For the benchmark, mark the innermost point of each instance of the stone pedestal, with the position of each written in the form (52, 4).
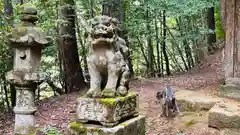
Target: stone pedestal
(231, 88)
(224, 116)
(25, 85)
(194, 101)
(108, 116)
(24, 123)
(24, 110)
(133, 126)
(107, 111)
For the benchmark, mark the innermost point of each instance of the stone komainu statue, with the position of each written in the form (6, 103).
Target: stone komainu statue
(108, 70)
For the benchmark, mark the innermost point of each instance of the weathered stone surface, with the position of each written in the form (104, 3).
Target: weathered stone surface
(24, 124)
(134, 126)
(107, 111)
(25, 78)
(27, 41)
(230, 81)
(230, 91)
(25, 101)
(224, 116)
(193, 101)
(230, 132)
(108, 68)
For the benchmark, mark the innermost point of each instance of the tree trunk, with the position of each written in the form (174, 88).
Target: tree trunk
(179, 22)
(61, 74)
(174, 59)
(212, 35)
(232, 36)
(223, 13)
(106, 5)
(114, 8)
(188, 53)
(157, 48)
(6, 93)
(92, 8)
(150, 66)
(68, 48)
(197, 44)
(161, 51)
(164, 44)
(142, 49)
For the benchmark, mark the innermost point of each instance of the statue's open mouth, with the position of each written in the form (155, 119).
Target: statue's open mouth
(103, 35)
(102, 39)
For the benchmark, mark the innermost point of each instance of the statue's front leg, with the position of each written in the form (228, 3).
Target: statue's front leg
(95, 81)
(113, 75)
(122, 89)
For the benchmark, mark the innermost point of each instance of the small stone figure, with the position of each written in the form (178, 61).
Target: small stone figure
(168, 103)
(108, 70)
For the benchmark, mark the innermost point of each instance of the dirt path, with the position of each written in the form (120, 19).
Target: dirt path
(57, 112)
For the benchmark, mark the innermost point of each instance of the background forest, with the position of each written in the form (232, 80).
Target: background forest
(165, 37)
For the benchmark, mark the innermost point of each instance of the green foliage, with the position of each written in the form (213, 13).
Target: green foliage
(218, 21)
(5, 57)
(191, 30)
(50, 131)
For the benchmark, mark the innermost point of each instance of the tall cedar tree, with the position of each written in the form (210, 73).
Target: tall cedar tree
(73, 76)
(150, 65)
(223, 12)
(164, 43)
(212, 35)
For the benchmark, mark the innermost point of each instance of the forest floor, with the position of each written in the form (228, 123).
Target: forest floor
(58, 111)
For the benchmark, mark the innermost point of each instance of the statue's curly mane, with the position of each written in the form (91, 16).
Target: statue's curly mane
(103, 33)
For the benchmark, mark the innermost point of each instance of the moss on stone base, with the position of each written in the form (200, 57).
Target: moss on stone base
(133, 126)
(92, 130)
(77, 127)
(123, 124)
(108, 101)
(112, 101)
(31, 130)
(80, 128)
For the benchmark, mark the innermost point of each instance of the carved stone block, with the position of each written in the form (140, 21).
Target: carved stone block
(194, 101)
(25, 78)
(134, 126)
(230, 81)
(107, 111)
(224, 115)
(230, 91)
(27, 59)
(24, 124)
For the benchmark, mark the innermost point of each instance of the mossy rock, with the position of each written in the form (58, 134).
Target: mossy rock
(113, 101)
(31, 130)
(77, 127)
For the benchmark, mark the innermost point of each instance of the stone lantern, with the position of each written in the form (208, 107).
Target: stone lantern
(27, 41)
